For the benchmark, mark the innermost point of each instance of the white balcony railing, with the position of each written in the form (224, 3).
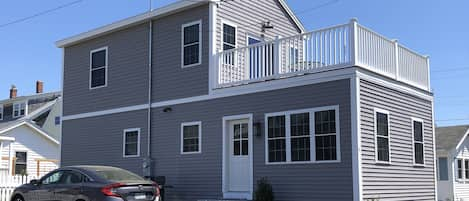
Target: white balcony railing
(322, 50)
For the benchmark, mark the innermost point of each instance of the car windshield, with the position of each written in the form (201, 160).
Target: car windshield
(116, 174)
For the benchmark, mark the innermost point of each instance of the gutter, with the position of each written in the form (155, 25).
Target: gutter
(147, 162)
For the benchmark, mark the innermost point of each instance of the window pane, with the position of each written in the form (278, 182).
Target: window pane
(98, 59)
(131, 137)
(131, 149)
(228, 47)
(300, 149)
(382, 124)
(244, 131)
(98, 77)
(277, 151)
(54, 178)
(459, 169)
(191, 34)
(326, 148)
(191, 54)
(229, 35)
(70, 177)
(244, 148)
(299, 124)
(466, 170)
(236, 148)
(443, 169)
(383, 149)
(191, 138)
(276, 126)
(418, 133)
(325, 122)
(21, 157)
(419, 158)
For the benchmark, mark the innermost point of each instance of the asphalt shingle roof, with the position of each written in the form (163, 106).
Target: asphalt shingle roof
(447, 138)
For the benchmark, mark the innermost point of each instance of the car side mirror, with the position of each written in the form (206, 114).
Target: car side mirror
(34, 182)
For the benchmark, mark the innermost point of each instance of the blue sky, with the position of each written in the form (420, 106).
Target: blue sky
(432, 27)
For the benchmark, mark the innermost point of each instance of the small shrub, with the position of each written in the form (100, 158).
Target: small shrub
(264, 191)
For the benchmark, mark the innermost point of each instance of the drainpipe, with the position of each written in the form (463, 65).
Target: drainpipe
(147, 163)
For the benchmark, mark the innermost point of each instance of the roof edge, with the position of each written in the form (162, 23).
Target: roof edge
(24, 122)
(121, 24)
(292, 16)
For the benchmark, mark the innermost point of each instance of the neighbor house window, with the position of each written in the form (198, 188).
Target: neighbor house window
(191, 44)
(19, 109)
(21, 163)
(1, 112)
(132, 142)
(466, 169)
(460, 168)
(57, 120)
(98, 68)
(417, 131)
(191, 137)
(443, 169)
(309, 135)
(382, 136)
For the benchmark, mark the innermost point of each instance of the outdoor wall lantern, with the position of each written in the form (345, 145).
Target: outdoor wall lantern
(168, 109)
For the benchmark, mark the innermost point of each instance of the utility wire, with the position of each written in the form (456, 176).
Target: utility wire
(446, 120)
(40, 13)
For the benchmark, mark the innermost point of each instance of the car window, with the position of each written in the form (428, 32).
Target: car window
(53, 178)
(114, 174)
(71, 177)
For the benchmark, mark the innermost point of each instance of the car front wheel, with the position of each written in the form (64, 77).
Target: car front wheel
(18, 198)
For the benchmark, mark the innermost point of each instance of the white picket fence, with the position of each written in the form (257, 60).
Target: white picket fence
(8, 183)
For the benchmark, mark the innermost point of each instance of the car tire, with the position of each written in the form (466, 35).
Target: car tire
(18, 198)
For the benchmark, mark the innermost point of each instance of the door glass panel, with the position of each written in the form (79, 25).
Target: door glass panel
(244, 131)
(244, 145)
(236, 148)
(236, 131)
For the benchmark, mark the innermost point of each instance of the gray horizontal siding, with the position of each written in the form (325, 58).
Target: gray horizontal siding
(400, 180)
(198, 176)
(249, 17)
(127, 72)
(171, 81)
(99, 140)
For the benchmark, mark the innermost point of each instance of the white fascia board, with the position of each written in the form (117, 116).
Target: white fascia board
(292, 15)
(119, 25)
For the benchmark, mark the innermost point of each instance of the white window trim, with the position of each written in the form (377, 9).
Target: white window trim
(311, 112)
(19, 113)
(194, 123)
(463, 178)
(413, 141)
(199, 22)
(27, 157)
(124, 140)
(232, 24)
(105, 67)
(1, 112)
(376, 110)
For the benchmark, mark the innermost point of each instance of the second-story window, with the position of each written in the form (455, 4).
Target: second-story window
(382, 136)
(19, 109)
(98, 68)
(418, 141)
(191, 44)
(229, 37)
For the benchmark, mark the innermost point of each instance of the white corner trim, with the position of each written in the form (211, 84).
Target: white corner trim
(125, 139)
(106, 69)
(356, 138)
(375, 121)
(225, 125)
(212, 46)
(435, 180)
(194, 123)
(198, 22)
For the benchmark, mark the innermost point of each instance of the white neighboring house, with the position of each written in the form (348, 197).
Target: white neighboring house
(30, 131)
(452, 145)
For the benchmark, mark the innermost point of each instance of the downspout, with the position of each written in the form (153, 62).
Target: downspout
(148, 161)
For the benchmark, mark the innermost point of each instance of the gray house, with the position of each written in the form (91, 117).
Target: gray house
(215, 95)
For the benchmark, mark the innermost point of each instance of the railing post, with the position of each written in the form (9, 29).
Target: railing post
(353, 41)
(396, 56)
(277, 55)
(428, 72)
(218, 65)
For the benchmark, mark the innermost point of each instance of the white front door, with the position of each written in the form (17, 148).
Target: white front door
(239, 160)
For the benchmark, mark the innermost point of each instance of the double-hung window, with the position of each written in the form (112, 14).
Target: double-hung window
(19, 109)
(192, 44)
(229, 37)
(1, 112)
(382, 136)
(191, 137)
(21, 163)
(132, 142)
(98, 67)
(300, 136)
(460, 168)
(417, 132)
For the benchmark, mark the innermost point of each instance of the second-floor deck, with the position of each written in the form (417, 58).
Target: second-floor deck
(341, 46)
